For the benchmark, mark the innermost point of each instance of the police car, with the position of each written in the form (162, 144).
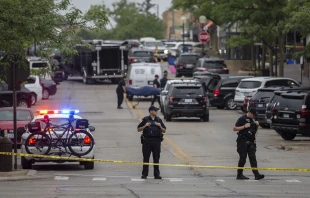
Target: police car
(56, 117)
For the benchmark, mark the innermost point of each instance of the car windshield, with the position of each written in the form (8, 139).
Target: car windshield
(289, 101)
(56, 121)
(189, 59)
(153, 44)
(249, 84)
(183, 91)
(142, 54)
(214, 65)
(21, 115)
(170, 45)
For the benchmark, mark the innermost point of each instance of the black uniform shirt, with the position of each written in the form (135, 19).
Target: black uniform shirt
(155, 82)
(163, 82)
(148, 119)
(120, 86)
(242, 121)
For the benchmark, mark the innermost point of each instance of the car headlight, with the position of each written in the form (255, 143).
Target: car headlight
(166, 51)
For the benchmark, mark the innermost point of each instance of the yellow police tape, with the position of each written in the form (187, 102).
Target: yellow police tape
(141, 163)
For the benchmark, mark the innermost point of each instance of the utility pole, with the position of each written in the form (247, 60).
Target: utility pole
(14, 110)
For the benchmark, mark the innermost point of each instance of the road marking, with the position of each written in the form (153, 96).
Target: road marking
(220, 180)
(99, 179)
(292, 181)
(176, 180)
(137, 180)
(60, 178)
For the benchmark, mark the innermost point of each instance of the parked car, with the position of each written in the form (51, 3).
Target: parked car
(23, 117)
(291, 114)
(23, 96)
(33, 84)
(250, 85)
(49, 88)
(186, 100)
(224, 92)
(185, 64)
(211, 64)
(136, 55)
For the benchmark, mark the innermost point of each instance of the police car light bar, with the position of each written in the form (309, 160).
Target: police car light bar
(44, 112)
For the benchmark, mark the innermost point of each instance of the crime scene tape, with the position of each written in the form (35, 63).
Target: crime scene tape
(141, 163)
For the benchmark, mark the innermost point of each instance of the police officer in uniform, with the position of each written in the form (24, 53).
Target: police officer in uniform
(153, 129)
(156, 85)
(246, 128)
(120, 90)
(164, 80)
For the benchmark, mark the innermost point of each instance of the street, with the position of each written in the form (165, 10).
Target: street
(188, 141)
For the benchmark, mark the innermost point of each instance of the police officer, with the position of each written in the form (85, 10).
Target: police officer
(120, 90)
(246, 128)
(153, 129)
(164, 80)
(156, 85)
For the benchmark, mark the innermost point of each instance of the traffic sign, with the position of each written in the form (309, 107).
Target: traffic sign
(204, 37)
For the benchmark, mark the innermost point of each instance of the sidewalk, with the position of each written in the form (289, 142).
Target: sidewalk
(20, 175)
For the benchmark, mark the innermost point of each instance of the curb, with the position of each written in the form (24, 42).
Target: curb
(22, 178)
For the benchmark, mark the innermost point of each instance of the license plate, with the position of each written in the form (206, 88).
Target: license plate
(246, 93)
(285, 115)
(260, 105)
(188, 100)
(189, 66)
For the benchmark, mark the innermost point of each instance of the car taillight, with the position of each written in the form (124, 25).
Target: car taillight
(32, 141)
(216, 92)
(180, 64)
(171, 99)
(86, 140)
(132, 60)
(204, 99)
(203, 69)
(304, 110)
(130, 82)
(273, 108)
(224, 69)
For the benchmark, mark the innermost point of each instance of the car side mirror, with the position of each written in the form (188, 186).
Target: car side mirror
(91, 128)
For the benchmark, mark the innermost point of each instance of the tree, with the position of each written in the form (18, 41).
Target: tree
(51, 24)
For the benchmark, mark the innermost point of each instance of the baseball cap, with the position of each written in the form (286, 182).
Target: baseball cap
(252, 110)
(152, 108)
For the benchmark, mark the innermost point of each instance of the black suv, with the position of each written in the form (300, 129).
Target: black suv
(211, 64)
(185, 64)
(136, 55)
(186, 100)
(224, 91)
(290, 114)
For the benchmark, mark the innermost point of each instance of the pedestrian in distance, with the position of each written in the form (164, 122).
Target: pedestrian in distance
(156, 85)
(152, 128)
(120, 90)
(246, 128)
(164, 80)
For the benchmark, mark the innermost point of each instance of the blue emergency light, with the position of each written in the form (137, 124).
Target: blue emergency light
(65, 111)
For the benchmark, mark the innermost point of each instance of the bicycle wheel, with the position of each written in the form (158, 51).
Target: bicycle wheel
(38, 143)
(80, 143)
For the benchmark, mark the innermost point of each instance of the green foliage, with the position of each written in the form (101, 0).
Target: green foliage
(23, 23)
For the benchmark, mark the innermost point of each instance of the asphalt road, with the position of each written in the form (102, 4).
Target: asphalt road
(188, 141)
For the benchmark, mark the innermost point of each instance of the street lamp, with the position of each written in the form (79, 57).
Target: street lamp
(183, 19)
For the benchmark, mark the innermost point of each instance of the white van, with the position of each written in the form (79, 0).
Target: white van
(37, 63)
(251, 85)
(143, 74)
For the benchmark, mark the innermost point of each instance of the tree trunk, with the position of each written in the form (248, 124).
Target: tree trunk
(264, 52)
(281, 54)
(270, 62)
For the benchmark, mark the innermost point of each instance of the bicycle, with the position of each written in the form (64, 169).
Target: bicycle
(73, 138)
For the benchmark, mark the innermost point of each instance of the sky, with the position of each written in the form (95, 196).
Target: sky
(84, 5)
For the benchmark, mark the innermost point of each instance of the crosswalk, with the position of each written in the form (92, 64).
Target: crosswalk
(128, 179)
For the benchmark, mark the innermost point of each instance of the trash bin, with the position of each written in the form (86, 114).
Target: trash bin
(6, 161)
(265, 72)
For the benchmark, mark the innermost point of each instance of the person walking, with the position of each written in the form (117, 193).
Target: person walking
(120, 90)
(164, 80)
(156, 85)
(246, 128)
(152, 136)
